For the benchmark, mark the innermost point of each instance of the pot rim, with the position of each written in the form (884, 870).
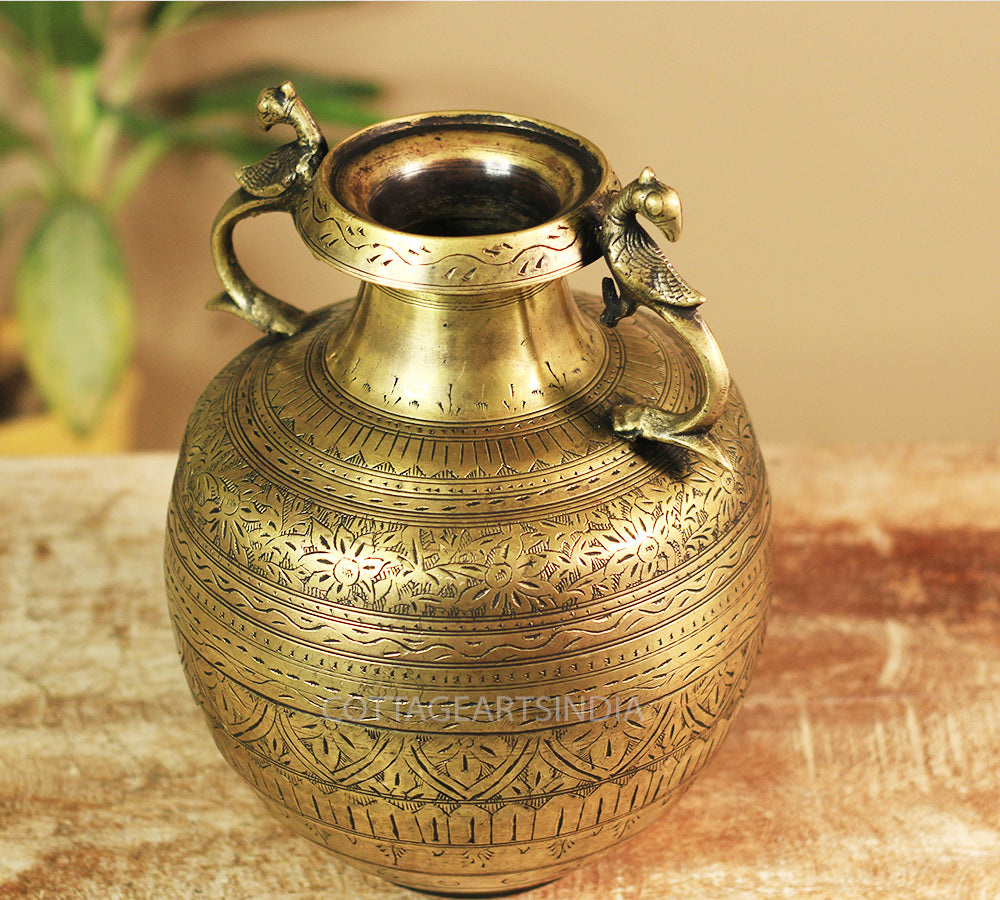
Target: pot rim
(557, 183)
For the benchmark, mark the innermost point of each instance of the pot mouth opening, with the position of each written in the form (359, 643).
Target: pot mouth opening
(463, 198)
(464, 174)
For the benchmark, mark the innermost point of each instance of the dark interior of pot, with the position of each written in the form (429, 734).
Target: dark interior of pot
(463, 175)
(463, 197)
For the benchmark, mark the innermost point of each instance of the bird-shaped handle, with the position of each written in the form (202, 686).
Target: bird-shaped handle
(275, 184)
(643, 276)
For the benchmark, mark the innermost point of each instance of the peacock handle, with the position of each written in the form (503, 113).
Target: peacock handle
(275, 184)
(642, 275)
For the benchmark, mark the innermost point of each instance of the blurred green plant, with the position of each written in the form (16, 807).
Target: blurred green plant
(87, 138)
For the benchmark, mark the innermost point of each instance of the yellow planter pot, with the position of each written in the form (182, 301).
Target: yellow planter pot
(44, 434)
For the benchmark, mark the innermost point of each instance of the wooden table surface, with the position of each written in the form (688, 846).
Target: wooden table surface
(865, 762)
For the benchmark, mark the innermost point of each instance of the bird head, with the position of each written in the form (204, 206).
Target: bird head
(274, 104)
(659, 203)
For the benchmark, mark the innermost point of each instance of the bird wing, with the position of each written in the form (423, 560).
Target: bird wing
(274, 174)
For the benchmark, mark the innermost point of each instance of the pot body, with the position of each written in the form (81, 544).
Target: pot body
(439, 615)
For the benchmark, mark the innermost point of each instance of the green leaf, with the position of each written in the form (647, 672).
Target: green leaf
(74, 307)
(204, 12)
(334, 100)
(180, 117)
(168, 12)
(57, 31)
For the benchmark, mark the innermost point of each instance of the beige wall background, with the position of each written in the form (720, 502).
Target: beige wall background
(838, 165)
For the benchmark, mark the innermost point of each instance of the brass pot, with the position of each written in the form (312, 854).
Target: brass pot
(468, 585)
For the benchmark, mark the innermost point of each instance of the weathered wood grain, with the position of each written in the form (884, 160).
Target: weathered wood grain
(865, 763)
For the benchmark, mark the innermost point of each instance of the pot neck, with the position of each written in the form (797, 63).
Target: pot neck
(483, 357)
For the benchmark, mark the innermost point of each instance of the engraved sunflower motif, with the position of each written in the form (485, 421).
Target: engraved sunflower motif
(512, 579)
(639, 547)
(569, 545)
(342, 566)
(229, 516)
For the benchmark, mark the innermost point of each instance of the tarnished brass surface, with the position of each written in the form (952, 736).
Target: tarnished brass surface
(442, 618)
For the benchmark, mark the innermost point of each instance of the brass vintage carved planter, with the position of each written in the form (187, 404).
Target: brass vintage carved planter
(468, 584)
